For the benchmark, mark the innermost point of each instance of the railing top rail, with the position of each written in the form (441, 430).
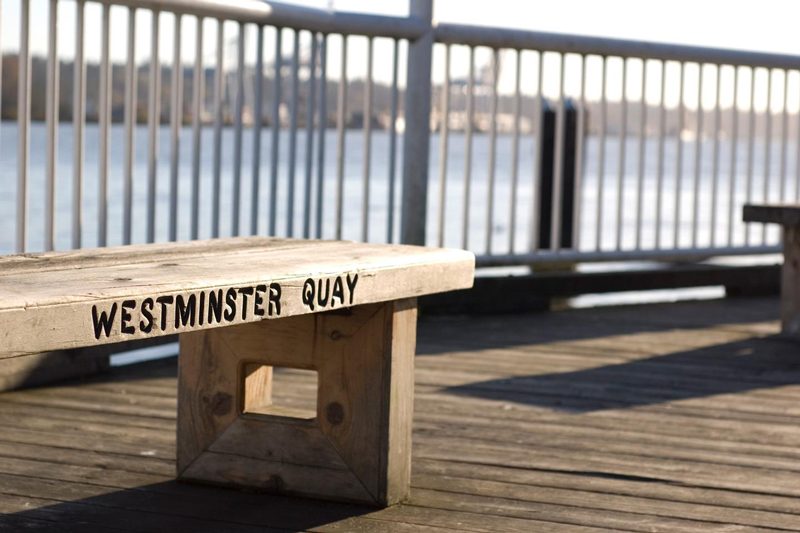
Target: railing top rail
(287, 16)
(602, 46)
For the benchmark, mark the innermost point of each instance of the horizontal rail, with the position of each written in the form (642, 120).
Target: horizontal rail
(667, 255)
(601, 46)
(287, 16)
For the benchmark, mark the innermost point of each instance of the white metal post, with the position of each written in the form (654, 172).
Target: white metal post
(417, 133)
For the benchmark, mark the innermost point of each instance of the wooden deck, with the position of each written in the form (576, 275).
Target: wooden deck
(674, 417)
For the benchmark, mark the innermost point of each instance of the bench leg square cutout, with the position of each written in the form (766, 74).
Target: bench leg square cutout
(263, 392)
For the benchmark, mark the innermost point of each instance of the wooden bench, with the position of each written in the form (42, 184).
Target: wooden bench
(241, 307)
(788, 216)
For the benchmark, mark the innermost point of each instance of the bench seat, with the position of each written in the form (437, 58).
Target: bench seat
(242, 306)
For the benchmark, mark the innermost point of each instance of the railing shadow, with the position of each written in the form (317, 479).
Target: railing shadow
(448, 334)
(734, 367)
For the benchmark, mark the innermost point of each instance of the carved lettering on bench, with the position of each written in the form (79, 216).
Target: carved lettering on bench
(329, 292)
(186, 311)
(176, 313)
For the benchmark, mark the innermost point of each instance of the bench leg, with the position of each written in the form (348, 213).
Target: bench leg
(790, 288)
(356, 448)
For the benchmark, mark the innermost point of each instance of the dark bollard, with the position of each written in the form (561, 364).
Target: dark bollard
(546, 183)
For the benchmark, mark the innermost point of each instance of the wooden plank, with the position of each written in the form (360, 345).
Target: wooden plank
(692, 440)
(576, 441)
(206, 394)
(767, 481)
(398, 400)
(467, 520)
(612, 506)
(568, 515)
(619, 485)
(142, 459)
(135, 253)
(619, 391)
(659, 420)
(116, 302)
(354, 357)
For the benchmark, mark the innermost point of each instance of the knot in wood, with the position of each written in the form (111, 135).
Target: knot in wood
(220, 404)
(334, 413)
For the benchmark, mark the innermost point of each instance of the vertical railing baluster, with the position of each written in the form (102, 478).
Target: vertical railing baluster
(154, 122)
(219, 94)
(468, 150)
(492, 151)
(197, 125)
(1, 70)
(558, 160)
(130, 124)
(621, 163)
(679, 159)
(767, 150)
(733, 156)
(258, 124)
(751, 127)
(23, 124)
(538, 138)
(662, 133)
(641, 158)
(238, 110)
(417, 134)
(797, 156)
(580, 156)
(444, 130)
(52, 127)
(393, 142)
(715, 160)
(367, 144)
(104, 118)
(323, 126)
(293, 106)
(512, 212)
(341, 110)
(276, 132)
(601, 156)
(698, 156)
(78, 101)
(176, 119)
(784, 136)
(309, 152)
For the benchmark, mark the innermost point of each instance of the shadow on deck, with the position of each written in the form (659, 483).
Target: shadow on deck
(728, 368)
(672, 417)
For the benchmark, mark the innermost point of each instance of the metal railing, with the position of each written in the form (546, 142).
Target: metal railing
(149, 197)
(636, 199)
(247, 148)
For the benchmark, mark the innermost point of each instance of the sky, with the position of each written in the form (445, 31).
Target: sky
(766, 25)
